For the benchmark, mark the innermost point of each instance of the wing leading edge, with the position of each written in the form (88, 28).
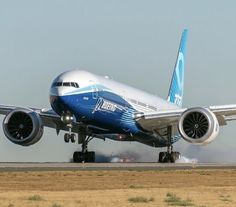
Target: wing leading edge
(49, 117)
(157, 120)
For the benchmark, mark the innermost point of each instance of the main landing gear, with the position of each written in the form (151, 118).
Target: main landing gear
(84, 155)
(170, 156)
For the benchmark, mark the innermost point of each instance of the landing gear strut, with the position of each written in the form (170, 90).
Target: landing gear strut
(170, 156)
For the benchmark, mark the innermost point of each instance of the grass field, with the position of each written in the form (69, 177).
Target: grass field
(198, 188)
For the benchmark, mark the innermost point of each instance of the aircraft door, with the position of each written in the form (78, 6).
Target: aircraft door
(125, 98)
(95, 92)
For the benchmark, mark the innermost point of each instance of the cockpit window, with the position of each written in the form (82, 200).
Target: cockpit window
(59, 84)
(67, 84)
(76, 85)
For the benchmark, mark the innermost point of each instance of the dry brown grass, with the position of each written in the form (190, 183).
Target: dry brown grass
(114, 188)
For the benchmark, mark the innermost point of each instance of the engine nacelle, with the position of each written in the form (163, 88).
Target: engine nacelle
(23, 127)
(198, 126)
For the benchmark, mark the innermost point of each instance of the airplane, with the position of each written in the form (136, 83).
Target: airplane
(88, 106)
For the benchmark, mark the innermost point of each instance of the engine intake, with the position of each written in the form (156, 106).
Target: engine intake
(23, 127)
(198, 126)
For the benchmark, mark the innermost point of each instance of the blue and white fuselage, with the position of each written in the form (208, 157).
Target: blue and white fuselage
(92, 106)
(107, 105)
(111, 108)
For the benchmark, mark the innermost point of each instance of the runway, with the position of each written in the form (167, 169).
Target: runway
(11, 167)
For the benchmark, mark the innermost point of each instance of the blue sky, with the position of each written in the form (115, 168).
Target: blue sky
(132, 41)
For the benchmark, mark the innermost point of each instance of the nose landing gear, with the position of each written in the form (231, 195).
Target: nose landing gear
(69, 137)
(68, 119)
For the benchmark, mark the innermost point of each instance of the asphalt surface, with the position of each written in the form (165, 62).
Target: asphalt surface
(12, 167)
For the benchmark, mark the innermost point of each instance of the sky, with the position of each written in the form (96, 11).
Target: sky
(132, 41)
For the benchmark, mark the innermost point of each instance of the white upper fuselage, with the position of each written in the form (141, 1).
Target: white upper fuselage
(140, 100)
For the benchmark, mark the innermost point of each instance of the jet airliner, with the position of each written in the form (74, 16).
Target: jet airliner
(88, 106)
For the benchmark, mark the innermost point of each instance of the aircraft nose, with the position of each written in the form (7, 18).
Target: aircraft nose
(58, 103)
(55, 91)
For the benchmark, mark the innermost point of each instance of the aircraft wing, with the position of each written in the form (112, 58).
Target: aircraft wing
(49, 117)
(158, 120)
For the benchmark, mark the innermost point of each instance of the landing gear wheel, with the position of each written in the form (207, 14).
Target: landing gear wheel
(174, 156)
(67, 137)
(168, 157)
(72, 138)
(90, 157)
(162, 156)
(78, 157)
(84, 157)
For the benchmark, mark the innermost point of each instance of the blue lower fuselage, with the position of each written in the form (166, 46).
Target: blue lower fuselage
(105, 110)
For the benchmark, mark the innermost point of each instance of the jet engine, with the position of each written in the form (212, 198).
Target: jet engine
(198, 126)
(23, 127)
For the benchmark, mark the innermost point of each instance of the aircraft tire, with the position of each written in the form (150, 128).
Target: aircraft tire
(160, 160)
(78, 157)
(174, 156)
(162, 157)
(72, 138)
(67, 138)
(90, 157)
